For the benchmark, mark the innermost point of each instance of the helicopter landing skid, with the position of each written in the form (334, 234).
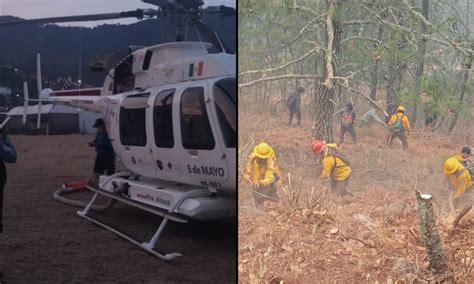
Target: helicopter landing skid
(166, 214)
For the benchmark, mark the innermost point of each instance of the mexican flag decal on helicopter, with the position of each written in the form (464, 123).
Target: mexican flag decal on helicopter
(199, 69)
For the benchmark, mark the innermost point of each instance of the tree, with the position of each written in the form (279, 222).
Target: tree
(324, 106)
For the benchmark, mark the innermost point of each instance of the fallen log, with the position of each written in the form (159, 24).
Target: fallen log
(429, 234)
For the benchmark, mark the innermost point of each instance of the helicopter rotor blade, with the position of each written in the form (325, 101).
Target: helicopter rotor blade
(223, 10)
(176, 4)
(139, 14)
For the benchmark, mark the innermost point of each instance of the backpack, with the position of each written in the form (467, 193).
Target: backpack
(337, 154)
(347, 119)
(8, 151)
(397, 127)
(469, 166)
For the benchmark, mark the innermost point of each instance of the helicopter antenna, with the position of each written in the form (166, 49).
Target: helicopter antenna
(220, 42)
(200, 40)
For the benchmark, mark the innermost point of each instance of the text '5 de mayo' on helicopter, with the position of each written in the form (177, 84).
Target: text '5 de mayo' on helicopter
(170, 111)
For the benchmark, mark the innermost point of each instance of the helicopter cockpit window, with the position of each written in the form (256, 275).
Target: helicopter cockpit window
(147, 60)
(124, 80)
(224, 98)
(196, 131)
(163, 119)
(133, 120)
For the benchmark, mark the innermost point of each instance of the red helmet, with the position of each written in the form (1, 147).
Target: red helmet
(317, 146)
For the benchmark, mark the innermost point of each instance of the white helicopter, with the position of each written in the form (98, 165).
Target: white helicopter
(170, 111)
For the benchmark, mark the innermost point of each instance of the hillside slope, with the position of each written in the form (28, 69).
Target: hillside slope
(313, 237)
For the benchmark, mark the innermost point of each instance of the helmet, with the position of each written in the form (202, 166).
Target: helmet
(451, 166)
(401, 108)
(317, 146)
(263, 151)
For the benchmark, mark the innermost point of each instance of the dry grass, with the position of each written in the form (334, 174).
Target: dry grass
(313, 237)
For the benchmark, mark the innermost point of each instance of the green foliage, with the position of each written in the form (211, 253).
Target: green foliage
(441, 94)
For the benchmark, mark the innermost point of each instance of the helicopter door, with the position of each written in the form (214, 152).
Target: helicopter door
(163, 139)
(133, 134)
(203, 153)
(224, 111)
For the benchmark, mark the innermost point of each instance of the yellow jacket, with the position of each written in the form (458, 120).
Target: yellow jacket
(333, 166)
(265, 174)
(459, 158)
(401, 116)
(461, 180)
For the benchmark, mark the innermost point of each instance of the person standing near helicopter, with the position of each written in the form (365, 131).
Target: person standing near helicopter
(7, 155)
(105, 159)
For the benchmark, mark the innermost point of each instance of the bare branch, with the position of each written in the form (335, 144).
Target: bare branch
(315, 49)
(274, 78)
(395, 26)
(357, 22)
(367, 39)
(302, 32)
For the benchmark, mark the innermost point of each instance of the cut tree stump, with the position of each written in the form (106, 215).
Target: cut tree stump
(429, 233)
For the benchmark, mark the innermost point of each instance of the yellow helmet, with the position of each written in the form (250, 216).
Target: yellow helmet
(451, 166)
(401, 108)
(263, 151)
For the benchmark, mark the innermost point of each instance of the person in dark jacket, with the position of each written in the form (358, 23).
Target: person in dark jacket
(4, 140)
(3, 179)
(347, 123)
(293, 104)
(105, 159)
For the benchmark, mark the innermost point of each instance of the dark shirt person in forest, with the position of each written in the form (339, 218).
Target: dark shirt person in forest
(293, 104)
(347, 123)
(105, 159)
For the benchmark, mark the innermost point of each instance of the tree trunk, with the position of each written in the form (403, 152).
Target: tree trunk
(324, 107)
(420, 64)
(467, 69)
(375, 68)
(429, 234)
(393, 86)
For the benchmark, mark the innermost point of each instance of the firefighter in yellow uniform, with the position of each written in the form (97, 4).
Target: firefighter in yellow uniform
(459, 178)
(336, 166)
(263, 173)
(399, 126)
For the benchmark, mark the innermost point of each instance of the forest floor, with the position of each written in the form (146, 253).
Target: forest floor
(44, 241)
(314, 237)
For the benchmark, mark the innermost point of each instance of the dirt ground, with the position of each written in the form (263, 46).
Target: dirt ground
(372, 237)
(44, 241)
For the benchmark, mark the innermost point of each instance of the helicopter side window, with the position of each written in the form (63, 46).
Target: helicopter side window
(147, 60)
(132, 120)
(163, 119)
(124, 80)
(224, 98)
(196, 131)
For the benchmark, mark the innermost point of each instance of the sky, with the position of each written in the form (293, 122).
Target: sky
(31, 9)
